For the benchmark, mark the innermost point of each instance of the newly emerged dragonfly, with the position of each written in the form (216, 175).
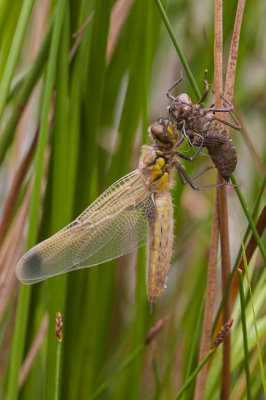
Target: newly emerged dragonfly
(135, 209)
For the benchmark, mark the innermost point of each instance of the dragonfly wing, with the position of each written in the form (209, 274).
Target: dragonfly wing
(125, 233)
(112, 225)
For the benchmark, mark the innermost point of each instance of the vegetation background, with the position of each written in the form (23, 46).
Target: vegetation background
(91, 109)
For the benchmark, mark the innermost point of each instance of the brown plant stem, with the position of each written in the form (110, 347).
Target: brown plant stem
(212, 266)
(230, 75)
(222, 200)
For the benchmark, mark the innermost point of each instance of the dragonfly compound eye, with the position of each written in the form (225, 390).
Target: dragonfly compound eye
(163, 132)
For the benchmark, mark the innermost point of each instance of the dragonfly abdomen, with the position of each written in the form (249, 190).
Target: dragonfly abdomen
(160, 245)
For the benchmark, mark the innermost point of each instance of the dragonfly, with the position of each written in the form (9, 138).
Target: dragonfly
(135, 210)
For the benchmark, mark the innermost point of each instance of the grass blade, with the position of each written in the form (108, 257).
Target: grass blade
(194, 374)
(28, 84)
(250, 219)
(244, 330)
(255, 324)
(178, 49)
(24, 297)
(14, 53)
(122, 367)
(254, 214)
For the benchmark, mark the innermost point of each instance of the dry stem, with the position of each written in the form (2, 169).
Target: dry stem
(212, 266)
(222, 198)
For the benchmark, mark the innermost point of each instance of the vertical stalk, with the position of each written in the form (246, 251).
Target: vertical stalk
(222, 200)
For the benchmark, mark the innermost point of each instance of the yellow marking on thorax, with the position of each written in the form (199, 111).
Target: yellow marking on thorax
(158, 174)
(155, 169)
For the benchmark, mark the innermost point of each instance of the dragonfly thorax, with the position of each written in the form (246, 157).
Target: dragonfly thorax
(156, 167)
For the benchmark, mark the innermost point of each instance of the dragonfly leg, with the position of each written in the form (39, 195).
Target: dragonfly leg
(195, 176)
(180, 141)
(185, 177)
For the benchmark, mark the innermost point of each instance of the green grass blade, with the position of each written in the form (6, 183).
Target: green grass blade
(254, 214)
(14, 52)
(255, 323)
(46, 104)
(195, 342)
(22, 312)
(58, 334)
(60, 212)
(132, 357)
(18, 340)
(193, 375)
(250, 219)
(178, 49)
(28, 84)
(57, 370)
(244, 330)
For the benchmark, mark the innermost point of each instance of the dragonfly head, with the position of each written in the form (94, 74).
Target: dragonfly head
(181, 107)
(164, 133)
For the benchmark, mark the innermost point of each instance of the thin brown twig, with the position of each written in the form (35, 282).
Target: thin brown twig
(155, 329)
(33, 350)
(78, 35)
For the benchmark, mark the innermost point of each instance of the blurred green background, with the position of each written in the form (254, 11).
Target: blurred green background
(103, 100)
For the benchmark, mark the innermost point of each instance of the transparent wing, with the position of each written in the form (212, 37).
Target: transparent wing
(114, 224)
